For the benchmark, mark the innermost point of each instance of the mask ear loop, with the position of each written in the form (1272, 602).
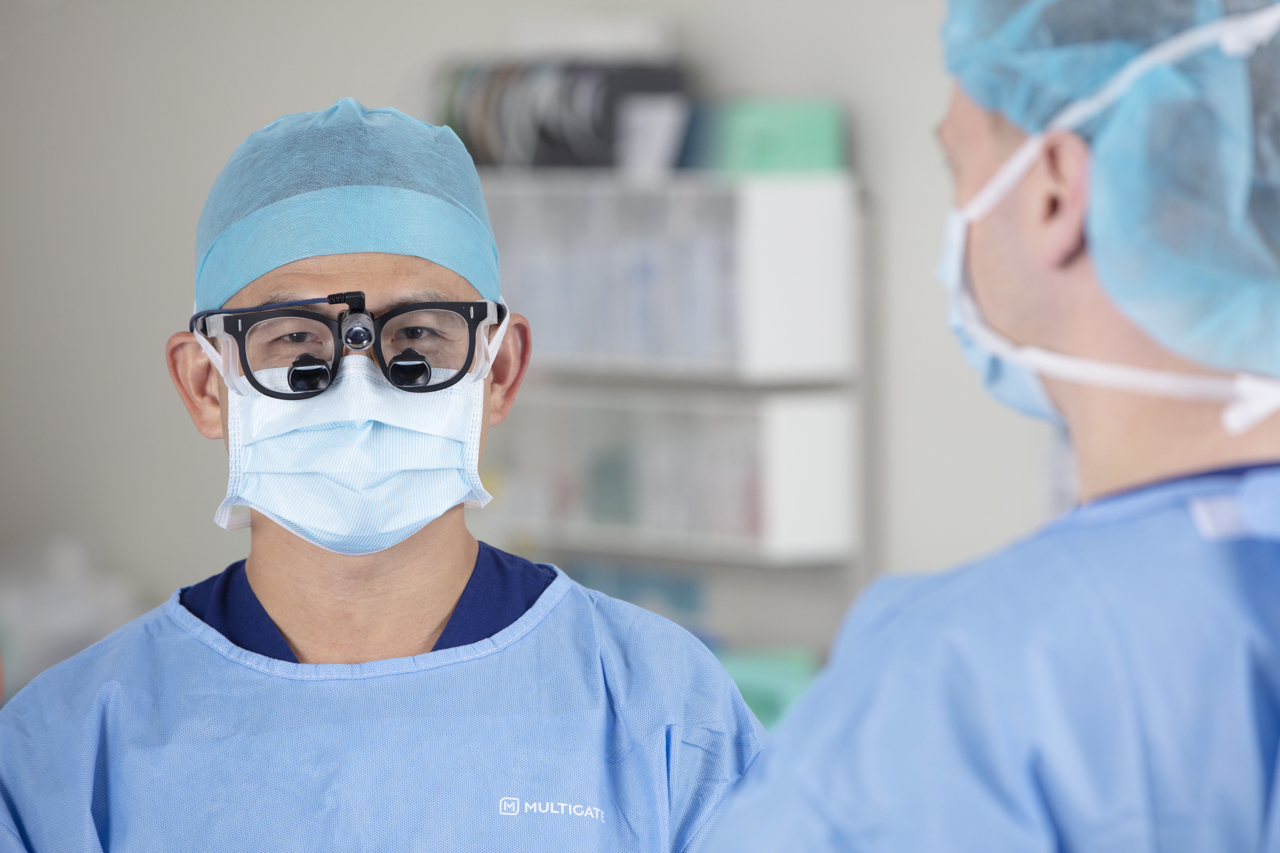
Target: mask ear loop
(488, 349)
(226, 361)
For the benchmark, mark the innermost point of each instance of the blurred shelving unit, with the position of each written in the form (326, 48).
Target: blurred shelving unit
(694, 397)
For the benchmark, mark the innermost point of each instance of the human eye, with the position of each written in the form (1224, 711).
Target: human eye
(418, 333)
(277, 341)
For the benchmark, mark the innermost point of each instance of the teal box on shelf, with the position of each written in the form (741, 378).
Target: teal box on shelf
(771, 680)
(756, 135)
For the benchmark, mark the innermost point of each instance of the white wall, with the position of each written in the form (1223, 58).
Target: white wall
(115, 118)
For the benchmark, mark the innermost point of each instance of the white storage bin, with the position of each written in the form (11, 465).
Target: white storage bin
(743, 279)
(680, 476)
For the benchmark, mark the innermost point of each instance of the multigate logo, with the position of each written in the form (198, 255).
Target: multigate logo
(511, 806)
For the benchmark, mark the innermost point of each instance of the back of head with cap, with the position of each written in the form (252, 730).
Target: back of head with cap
(346, 179)
(1184, 219)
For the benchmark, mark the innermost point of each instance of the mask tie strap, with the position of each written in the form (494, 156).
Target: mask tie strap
(1257, 398)
(1248, 399)
(490, 347)
(214, 356)
(1002, 183)
(1237, 36)
(1259, 29)
(224, 363)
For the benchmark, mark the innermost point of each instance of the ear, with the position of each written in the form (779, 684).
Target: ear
(1062, 204)
(198, 383)
(509, 366)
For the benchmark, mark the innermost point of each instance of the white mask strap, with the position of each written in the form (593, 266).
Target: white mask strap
(1004, 180)
(489, 347)
(1249, 399)
(1236, 35)
(214, 356)
(224, 361)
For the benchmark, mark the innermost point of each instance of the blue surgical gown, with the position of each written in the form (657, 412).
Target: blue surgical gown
(588, 724)
(1110, 684)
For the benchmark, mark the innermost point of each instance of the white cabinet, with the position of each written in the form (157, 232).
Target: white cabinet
(748, 280)
(676, 475)
(693, 391)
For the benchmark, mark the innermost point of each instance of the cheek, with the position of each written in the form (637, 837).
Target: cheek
(993, 273)
(222, 414)
(484, 420)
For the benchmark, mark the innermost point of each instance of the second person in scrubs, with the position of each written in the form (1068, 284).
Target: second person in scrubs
(1112, 682)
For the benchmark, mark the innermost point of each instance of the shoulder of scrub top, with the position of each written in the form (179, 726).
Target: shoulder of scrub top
(649, 659)
(1072, 582)
(76, 684)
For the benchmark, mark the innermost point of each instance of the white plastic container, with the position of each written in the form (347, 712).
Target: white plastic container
(746, 279)
(760, 479)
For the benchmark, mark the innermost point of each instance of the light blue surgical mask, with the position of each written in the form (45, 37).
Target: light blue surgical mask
(359, 468)
(1010, 372)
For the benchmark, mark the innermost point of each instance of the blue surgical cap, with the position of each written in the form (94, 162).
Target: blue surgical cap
(346, 179)
(1184, 218)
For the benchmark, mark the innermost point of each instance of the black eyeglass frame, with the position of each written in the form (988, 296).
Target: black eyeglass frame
(475, 313)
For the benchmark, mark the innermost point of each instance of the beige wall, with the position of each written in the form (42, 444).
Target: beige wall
(116, 116)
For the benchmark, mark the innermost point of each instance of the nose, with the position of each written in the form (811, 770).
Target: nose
(366, 353)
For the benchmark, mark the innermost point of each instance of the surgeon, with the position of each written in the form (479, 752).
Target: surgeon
(370, 677)
(1112, 682)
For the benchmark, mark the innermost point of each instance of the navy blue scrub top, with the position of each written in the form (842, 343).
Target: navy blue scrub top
(502, 587)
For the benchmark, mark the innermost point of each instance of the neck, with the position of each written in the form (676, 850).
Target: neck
(333, 608)
(1125, 441)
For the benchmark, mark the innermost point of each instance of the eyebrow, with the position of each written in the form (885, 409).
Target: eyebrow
(280, 296)
(426, 295)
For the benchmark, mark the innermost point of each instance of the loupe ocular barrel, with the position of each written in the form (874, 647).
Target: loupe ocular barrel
(308, 373)
(409, 370)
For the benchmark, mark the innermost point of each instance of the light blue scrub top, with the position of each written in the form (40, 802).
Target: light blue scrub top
(588, 724)
(1111, 684)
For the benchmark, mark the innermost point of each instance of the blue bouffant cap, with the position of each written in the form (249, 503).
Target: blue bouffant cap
(1184, 215)
(346, 179)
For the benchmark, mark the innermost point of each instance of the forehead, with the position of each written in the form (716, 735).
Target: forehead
(385, 279)
(968, 129)
(961, 122)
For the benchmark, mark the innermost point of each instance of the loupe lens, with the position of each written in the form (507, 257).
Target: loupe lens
(409, 370)
(290, 355)
(357, 332)
(432, 336)
(308, 373)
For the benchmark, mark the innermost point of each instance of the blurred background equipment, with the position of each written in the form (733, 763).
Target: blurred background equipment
(690, 270)
(745, 135)
(54, 607)
(561, 113)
